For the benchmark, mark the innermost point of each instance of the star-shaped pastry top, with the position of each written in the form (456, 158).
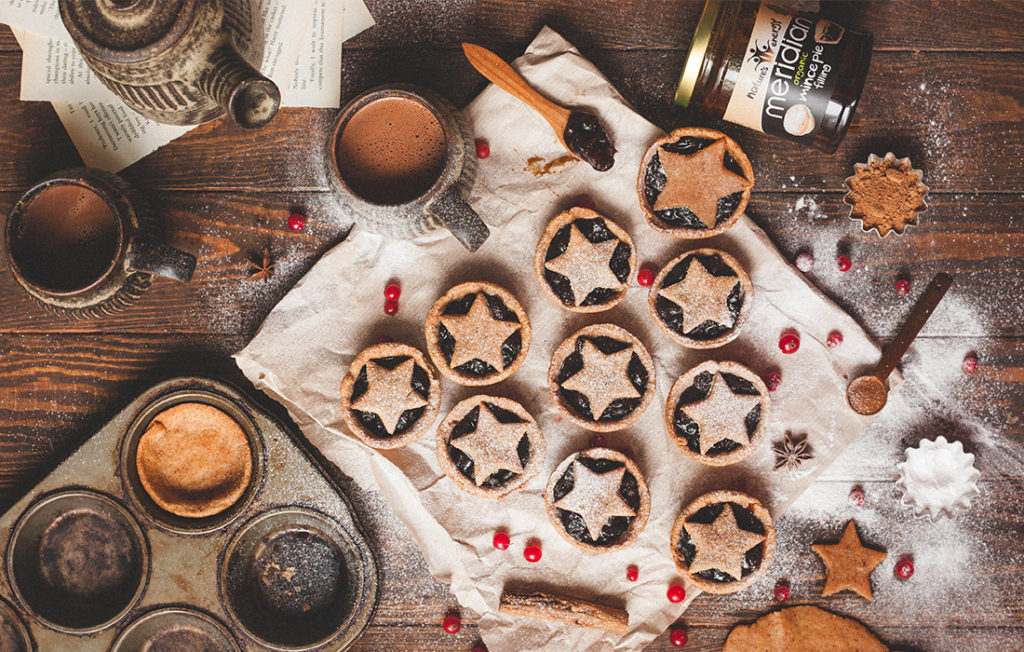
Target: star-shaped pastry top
(595, 497)
(849, 564)
(389, 393)
(697, 181)
(721, 414)
(721, 544)
(493, 446)
(585, 264)
(702, 296)
(478, 335)
(603, 378)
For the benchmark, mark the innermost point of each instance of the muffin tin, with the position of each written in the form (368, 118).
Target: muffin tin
(92, 563)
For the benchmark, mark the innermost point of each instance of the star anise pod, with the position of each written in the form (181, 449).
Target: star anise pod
(791, 452)
(263, 268)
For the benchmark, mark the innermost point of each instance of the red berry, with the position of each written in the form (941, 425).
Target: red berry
(902, 286)
(678, 637)
(789, 342)
(501, 540)
(804, 261)
(970, 364)
(844, 264)
(857, 497)
(645, 277)
(392, 292)
(772, 380)
(297, 222)
(905, 569)
(676, 593)
(479, 649)
(781, 592)
(585, 201)
(452, 624)
(598, 441)
(483, 150)
(835, 338)
(390, 307)
(632, 573)
(532, 553)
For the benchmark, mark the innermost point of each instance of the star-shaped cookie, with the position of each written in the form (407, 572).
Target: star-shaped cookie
(849, 564)
(585, 264)
(478, 334)
(604, 378)
(721, 544)
(697, 181)
(389, 393)
(595, 497)
(492, 445)
(721, 414)
(702, 296)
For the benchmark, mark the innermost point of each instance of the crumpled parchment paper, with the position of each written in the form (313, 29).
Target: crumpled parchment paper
(303, 349)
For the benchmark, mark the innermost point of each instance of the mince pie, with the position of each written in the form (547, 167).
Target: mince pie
(390, 395)
(717, 412)
(477, 333)
(598, 500)
(490, 446)
(702, 298)
(584, 261)
(601, 377)
(723, 541)
(694, 183)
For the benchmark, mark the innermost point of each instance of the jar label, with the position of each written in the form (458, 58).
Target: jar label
(788, 73)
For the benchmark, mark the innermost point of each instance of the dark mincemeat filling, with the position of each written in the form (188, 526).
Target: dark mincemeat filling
(618, 409)
(615, 526)
(745, 519)
(510, 348)
(672, 315)
(688, 429)
(596, 231)
(372, 422)
(467, 425)
(654, 183)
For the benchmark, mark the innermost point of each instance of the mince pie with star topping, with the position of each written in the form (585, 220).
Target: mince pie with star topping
(584, 261)
(702, 298)
(723, 541)
(490, 446)
(390, 395)
(598, 500)
(601, 377)
(717, 412)
(694, 183)
(477, 333)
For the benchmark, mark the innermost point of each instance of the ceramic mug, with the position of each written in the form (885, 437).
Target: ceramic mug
(402, 161)
(81, 244)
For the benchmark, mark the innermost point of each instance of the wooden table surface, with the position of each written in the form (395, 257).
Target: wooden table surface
(946, 88)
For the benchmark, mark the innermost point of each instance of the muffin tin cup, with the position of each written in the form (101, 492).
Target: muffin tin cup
(77, 560)
(14, 634)
(175, 628)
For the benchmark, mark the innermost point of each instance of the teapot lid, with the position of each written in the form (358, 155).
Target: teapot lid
(106, 27)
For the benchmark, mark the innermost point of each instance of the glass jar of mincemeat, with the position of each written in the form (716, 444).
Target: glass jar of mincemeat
(784, 72)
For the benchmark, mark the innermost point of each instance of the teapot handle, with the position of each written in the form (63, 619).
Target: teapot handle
(161, 260)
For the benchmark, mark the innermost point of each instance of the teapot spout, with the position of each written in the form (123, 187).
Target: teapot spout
(251, 99)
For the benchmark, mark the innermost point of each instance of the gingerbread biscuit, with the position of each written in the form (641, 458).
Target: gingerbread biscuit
(803, 629)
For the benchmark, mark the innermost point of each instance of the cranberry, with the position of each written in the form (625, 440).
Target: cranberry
(452, 624)
(804, 261)
(789, 342)
(905, 569)
(772, 380)
(678, 637)
(532, 553)
(843, 263)
(598, 441)
(390, 307)
(483, 150)
(479, 649)
(392, 292)
(835, 338)
(501, 540)
(902, 286)
(781, 592)
(857, 497)
(970, 364)
(297, 222)
(676, 593)
(632, 573)
(586, 201)
(645, 277)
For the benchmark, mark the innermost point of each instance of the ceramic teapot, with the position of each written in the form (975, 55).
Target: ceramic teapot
(180, 62)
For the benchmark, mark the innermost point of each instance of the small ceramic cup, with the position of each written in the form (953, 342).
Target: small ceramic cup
(411, 196)
(81, 244)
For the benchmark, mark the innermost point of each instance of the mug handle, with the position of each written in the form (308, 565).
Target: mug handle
(161, 260)
(459, 218)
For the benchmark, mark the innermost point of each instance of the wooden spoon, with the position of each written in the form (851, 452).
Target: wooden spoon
(868, 394)
(580, 132)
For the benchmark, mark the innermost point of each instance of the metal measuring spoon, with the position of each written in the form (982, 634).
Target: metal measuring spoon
(868, 394)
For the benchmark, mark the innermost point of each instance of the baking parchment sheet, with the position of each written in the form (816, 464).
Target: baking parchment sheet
(303, 349)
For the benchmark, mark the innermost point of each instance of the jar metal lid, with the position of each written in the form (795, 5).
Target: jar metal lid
(698, 48)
